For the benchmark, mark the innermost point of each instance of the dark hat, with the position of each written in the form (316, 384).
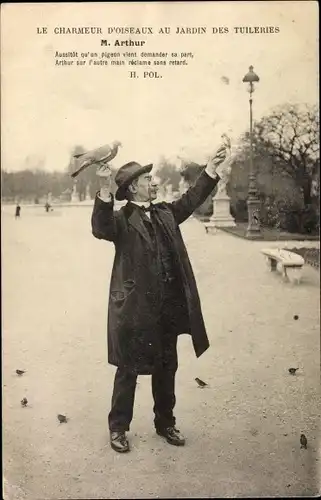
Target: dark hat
(126, 174)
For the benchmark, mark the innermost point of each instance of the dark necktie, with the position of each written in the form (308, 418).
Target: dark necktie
(150, 208)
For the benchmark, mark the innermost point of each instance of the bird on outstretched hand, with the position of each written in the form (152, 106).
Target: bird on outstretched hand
(104, 154)
(200, 383)
(293, 370)
(24, 402)
(62, 418)
(226, 142)
(303, 441)
(20, 372)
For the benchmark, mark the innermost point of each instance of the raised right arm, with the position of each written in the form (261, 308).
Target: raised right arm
(104, 221)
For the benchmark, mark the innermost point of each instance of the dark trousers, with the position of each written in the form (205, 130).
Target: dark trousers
(163, 389)
(163, 380)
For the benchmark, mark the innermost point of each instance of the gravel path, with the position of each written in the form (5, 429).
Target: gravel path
(242, 431)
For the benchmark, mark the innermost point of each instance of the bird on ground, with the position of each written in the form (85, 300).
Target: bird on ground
(295, 316)
(225, 80)
(24, 402)
(20, 372)
(303, 441)
(293, 370)
(62, 418)
(200, 382)
(104, 154)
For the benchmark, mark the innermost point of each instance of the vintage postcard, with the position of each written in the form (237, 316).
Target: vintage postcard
(160, 176)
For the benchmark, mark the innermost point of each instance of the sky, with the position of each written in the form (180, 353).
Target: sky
(47, 110)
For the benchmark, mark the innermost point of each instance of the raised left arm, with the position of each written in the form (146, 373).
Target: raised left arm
(204, 185)
(194, 196)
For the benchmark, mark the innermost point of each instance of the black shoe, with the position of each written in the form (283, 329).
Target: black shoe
(172, 436)
(119, 442)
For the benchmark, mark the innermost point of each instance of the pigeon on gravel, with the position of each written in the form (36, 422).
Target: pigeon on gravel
(20, 372)
(62, 418)
(225, 80)
(303, 441)
(293, 370)
(200, 382)
(24, 402)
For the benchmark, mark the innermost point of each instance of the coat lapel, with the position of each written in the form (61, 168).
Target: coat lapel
(135, 219)
(167, 220)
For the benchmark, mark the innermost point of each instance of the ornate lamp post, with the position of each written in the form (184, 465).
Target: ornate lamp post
(253, 203)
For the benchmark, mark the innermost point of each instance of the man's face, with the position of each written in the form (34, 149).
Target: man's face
(144, 188)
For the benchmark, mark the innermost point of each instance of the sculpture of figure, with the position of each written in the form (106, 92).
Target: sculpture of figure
(169, 192)
(74, 194)
(225, 168)
(225, 175)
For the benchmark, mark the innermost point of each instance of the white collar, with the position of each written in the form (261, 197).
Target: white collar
(145, 204)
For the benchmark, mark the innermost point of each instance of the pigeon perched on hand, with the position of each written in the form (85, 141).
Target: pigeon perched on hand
(303, 441)
(103, 154)
(24, 402)
(226, 141)
(200, 382)
(293, 370)
(62, 418)
(20, 372)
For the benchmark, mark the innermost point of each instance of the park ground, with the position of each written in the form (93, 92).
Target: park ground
(242, 431)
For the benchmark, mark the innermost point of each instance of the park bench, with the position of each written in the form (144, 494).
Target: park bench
(289, 263)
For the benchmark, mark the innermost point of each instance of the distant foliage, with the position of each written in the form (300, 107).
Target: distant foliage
(168, 173)
(287, 161)
(87, 177)
(31, 185)
(190, 171)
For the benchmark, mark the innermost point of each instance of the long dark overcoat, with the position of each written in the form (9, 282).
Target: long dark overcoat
(134, 296)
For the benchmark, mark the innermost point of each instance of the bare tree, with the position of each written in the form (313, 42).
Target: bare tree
(168, 173)
(290, 136)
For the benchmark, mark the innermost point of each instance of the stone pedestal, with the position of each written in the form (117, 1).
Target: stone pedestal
(221, 214)
(74, 195)
(87, 197)
(169, 193)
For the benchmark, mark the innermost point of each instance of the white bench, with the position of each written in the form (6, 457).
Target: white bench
(289, 263)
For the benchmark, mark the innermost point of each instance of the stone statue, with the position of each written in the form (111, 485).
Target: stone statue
(87, 192)
(74, 194)
(221, 202)
(224, 173)
(224, 169)
(169, 192)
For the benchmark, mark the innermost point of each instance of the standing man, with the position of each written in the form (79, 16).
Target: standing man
(153, 294)
(18, 210)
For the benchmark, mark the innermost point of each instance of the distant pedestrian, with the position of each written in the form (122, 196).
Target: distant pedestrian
(18, 210)
(47, 206)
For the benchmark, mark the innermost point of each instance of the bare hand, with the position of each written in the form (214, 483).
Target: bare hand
(217, 159)
(104, 171)
(104, 174)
